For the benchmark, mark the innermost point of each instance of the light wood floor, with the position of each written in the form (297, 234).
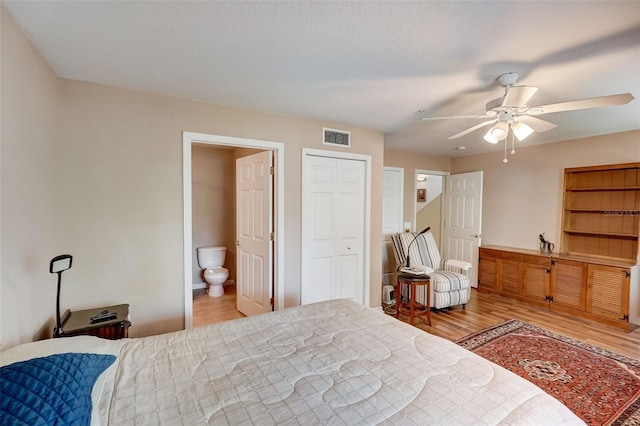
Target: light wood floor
(210, 310)
(483, 310)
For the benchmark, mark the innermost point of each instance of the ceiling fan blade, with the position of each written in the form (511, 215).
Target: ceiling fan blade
(518, 96)
(537, 124)
(455, 116)
(602, 101)
(473, 129)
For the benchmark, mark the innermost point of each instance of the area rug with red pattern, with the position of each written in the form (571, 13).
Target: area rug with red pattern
(599, 386)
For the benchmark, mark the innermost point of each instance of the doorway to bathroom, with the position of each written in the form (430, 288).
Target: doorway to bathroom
(209, 163)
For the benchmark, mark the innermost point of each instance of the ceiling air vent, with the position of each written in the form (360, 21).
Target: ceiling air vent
(336, 137)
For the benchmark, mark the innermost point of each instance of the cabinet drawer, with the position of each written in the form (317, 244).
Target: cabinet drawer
(485, 252)
(516, 257)
(537, 260)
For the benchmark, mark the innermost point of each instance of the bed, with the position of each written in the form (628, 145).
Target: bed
(329, 363)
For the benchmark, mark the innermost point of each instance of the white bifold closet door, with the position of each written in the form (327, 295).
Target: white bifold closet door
(333, 222)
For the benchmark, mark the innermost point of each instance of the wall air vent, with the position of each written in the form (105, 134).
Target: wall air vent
(336, 138)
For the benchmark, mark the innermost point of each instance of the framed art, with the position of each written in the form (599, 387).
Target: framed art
(422, 195)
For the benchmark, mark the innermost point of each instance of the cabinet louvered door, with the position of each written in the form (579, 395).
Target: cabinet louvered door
(510, 278)
(608, 292)
(569, 282)
(535, 281)
(487, 271)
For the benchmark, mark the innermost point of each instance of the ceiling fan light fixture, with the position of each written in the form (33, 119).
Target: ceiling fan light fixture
(489, 138)
(500, 130)
(521, 130)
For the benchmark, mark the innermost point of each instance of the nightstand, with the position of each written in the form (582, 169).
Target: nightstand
(78, 323)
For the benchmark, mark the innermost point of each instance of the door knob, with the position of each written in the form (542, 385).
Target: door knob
(237, 243)
(475, 235)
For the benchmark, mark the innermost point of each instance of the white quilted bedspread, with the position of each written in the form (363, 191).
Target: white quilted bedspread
(330, 363)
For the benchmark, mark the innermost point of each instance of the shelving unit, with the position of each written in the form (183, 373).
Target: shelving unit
(595, 275)
(602, 211)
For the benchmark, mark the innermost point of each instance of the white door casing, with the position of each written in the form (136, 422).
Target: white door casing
(463, 219)
(254, 272)
(335, 226)
(190, 138)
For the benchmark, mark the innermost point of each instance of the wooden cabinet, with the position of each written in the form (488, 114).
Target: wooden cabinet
(601, 215)
(521, 274)
(596, 275)
(593, 288)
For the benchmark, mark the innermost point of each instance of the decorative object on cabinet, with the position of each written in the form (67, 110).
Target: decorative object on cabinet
(58, 265)
(594, 288)
(546, 247)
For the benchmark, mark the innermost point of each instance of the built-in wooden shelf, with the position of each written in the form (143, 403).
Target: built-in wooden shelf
(601, 215)
(602, 234)
(614, 212)
(605, 188)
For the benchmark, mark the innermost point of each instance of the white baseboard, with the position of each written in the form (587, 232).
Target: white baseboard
(198, 286)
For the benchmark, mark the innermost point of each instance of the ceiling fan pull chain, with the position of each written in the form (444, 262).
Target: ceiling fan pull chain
(513, 143)
(505, 159)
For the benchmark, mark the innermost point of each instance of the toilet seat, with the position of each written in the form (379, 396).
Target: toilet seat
(218, 270)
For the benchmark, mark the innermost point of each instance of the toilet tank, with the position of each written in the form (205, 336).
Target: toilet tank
(211, 256)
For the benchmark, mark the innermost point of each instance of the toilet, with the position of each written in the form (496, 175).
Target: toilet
(211, 259)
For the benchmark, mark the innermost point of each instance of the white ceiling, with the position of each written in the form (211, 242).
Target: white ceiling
(369, 64)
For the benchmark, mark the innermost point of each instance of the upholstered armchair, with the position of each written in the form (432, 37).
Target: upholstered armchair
(450, 284)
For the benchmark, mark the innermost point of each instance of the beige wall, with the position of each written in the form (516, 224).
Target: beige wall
(105, 184)
(431, 215)
(523, 198)
(31, 229)
(126, 147)
(213, 204)
(96, 171)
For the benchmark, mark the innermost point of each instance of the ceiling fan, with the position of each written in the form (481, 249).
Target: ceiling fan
(512, 111)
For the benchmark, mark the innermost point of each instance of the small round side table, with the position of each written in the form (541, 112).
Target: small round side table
(413, 308)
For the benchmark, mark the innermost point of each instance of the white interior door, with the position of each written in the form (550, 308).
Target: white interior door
(392, 200)
(392, 211)
(254, 247)
(333, 223)
(463, 219)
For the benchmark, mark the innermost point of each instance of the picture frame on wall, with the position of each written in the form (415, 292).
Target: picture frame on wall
(422, 195)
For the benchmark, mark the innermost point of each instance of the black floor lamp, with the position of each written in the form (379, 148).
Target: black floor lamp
(58, 265)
